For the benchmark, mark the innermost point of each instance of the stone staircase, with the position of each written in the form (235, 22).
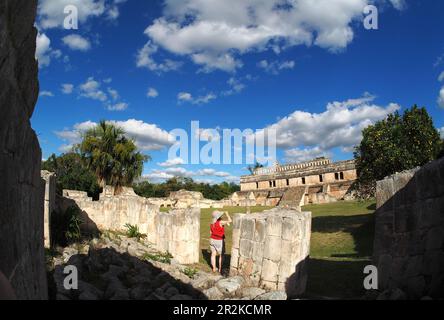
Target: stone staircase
(293, 197)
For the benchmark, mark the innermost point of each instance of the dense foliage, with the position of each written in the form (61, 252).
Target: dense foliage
(214, 192)
(112, 157)
(395, 144)
(72, 174)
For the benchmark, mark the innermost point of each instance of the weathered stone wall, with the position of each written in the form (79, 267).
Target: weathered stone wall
(271, 249)
(49, 204)
(22, 257)
(176, 232)
(409, 238)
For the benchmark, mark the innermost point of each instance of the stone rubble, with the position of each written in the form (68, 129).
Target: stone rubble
(115, 267)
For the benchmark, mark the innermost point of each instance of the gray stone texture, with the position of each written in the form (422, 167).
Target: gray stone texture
(409, 232)
(21, 191)
(271, 249)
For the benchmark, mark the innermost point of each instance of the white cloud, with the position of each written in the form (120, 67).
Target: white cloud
(441, 77)
(76, 42)
(121, 106)
(168, 173)
(276, 67)
(441, 98)
(152, 93)
(188, 97)
(67, 88)
(398, 4)
(235, 87)
(172, 162)
(46, 94)
(44, 52)
(144, 60)
(214, 33)
(148, 136)
(300, 155)
(441, 132)
(113, 93)
(51, 12)
(91, 89)
(184, 96)
(339, 126)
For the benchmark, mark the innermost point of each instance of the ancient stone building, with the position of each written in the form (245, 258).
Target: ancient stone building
(316, 181)
(22, 258)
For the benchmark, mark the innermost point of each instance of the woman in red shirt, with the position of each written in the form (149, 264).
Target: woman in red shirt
(217, 229)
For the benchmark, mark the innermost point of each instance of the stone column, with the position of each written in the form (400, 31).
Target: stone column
(49, 204)
(178, 232)
(271, 249)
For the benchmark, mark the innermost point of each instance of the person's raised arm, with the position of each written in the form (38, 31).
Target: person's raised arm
(227, 222)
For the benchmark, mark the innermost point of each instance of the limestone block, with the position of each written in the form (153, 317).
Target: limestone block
(272, 249)
(270, 271)
(246, 248)
(247, 231)
(274, 226)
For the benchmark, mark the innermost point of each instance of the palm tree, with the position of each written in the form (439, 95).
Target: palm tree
(256, 166)
(111, 155)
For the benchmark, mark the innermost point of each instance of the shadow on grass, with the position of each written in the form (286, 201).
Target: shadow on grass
(340, 276)
(329, 279)
(361, 227)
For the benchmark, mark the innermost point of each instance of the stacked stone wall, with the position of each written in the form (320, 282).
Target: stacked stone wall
(409, 235)
(271, 249)
(176, 232)
(22, 258)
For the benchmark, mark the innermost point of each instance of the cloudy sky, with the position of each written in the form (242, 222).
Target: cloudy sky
(308, 69)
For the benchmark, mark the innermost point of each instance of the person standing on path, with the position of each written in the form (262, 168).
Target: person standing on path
(217, 238)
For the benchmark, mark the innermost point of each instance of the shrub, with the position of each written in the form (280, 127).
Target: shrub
(65, 226)
(190, 272)
(133, 232)
(159, 257)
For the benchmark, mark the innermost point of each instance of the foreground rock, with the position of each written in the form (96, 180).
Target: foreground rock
(22, 257)
(115, 267)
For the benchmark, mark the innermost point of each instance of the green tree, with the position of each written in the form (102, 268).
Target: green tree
(112, 157)
(72, 174)
(395, 144)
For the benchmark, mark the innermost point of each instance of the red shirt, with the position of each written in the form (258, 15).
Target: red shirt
(217, 231)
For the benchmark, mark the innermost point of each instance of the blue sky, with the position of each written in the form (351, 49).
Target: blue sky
(308, 69)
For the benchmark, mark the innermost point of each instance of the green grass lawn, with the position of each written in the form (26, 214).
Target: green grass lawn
(341, 246)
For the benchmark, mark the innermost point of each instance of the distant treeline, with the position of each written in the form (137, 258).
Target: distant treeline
(209, 191)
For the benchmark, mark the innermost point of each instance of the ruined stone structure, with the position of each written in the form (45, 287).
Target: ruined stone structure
(49, 204)
(22, 257)
(409, 235)
(271, 249)
(186, 199)
(316, 181)
(176, 231)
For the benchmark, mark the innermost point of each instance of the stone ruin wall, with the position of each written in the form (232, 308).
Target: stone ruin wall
(22, 258)
(271, 249)
(176, 231)
(409, 235)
